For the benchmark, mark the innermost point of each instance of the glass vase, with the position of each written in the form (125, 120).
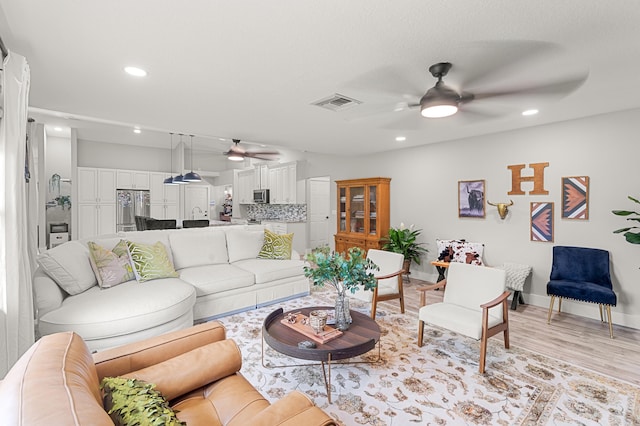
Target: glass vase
(343, 317)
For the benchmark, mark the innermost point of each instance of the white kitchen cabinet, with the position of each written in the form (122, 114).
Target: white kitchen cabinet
(282, 183)
(163, 198)
(96, 185)
(299, 230)
(246, 185)
(132, 179)
(262, 176)
(96, 219)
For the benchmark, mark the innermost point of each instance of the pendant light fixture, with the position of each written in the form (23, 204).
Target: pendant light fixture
(169, 180)
(180, 178)
(192, 176)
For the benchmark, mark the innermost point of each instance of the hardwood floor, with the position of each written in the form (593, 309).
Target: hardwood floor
(570, 338)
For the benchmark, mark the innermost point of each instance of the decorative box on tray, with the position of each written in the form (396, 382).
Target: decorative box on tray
(300, 323)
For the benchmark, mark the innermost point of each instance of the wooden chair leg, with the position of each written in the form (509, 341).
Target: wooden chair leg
(483, 353)
(600, 309)
(610, 323)
(559, 304)
(553, 299)
(374, 305)
(420, 332)
(401, 294)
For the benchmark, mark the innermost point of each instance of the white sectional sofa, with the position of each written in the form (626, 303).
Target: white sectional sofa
(219, 273)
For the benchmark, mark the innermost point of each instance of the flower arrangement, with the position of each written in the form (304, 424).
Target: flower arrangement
(403, 240)
(344, 272)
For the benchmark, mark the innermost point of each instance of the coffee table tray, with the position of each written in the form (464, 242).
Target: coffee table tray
(327, 335)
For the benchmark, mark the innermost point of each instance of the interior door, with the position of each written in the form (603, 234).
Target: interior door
(196, 202)
(318, 205)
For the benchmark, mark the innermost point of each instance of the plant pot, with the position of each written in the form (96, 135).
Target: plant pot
(406, 266)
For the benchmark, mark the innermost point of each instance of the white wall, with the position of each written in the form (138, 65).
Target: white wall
(118, 156)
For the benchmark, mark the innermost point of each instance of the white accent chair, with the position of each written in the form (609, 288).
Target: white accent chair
(389, 279)
(474, 304)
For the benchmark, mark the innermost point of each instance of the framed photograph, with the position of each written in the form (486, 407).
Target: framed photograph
(542, 222)
(471, 198)
(575, 197)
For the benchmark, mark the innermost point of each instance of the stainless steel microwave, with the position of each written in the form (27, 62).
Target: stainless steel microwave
(261, 196)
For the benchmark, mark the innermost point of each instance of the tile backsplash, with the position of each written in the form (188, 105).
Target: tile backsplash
(284, 212)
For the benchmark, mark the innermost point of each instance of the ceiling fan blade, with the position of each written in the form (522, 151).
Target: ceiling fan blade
(389, 82)
(376, 110)
(270, 156)
(557, 89)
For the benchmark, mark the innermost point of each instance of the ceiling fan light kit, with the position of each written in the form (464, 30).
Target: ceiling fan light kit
(439, 101)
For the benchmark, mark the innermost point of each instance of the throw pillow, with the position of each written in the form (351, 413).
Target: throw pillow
(276, 246)
(134, 402)
(69, 266)
(111, 267)
(150, 261)
(460, 251)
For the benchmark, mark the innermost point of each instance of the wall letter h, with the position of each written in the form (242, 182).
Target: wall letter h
(537, 179)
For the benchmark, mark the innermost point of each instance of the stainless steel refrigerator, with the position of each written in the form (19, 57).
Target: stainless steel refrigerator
(131, 203)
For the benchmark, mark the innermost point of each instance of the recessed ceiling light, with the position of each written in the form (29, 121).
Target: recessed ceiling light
(401, 138)
(137, 130)
(530, 112)
(138, 72)
(57, 129)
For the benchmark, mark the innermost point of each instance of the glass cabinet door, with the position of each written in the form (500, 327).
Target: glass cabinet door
(373, 211)
(342, 209)
(357, 213)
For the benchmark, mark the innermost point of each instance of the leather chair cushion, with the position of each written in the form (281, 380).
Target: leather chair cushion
(53, 383)
(192, 370)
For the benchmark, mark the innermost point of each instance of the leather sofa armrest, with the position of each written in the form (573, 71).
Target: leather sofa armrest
(138, 355)
(293, 410)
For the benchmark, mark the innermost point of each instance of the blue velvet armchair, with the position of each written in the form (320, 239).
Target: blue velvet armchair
(582, 274)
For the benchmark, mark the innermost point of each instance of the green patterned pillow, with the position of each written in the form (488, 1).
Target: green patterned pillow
(276, 246)
(111, 267)
(150, 262)
(134, 402)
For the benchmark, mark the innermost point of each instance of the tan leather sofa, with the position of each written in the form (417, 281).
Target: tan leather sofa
(56, 382)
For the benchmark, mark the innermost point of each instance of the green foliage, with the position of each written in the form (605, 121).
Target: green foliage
(344, 272)
(632, 237)
(403, 240)
(134, 402)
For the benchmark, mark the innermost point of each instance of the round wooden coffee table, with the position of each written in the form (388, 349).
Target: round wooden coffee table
(361, 337)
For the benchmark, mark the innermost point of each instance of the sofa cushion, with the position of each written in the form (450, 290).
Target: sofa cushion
(150, 261)
(266, 270)
(111, 267)
(148, 237)
(276, 246)
(53, 383)
(68, 265)
(244, 243)
(195, 247)
(216, 278)
(135, 402)
(127, 308)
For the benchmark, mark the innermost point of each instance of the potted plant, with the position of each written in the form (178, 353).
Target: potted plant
(403, 240)
(343, 272)
(632, 237)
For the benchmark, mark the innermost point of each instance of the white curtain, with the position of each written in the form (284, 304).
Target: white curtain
(16, 246)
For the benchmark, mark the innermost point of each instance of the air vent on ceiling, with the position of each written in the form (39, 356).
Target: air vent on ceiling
(337, 102)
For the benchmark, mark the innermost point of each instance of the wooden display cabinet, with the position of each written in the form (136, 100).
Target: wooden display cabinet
(363, 213)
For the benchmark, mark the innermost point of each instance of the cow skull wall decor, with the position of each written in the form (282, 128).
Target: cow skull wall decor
(503, 208)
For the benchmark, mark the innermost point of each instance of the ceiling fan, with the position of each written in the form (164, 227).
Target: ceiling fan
(238, 153)
(443, 101)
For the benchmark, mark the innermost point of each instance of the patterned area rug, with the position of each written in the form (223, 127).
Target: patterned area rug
(438, 383)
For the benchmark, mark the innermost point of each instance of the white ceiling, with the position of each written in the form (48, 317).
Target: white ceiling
(251, 69)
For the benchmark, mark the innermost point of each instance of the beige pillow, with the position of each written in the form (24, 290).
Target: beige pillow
(150, 262)
(69, 266)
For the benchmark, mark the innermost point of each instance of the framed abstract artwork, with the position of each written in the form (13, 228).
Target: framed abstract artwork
(575, 197)
(471, 198)
(542, 222)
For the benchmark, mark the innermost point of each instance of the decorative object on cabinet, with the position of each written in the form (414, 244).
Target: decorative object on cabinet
(471, 198)
(542, 222)
(575, 197)
(363, 213)
(169, 180)
(343, 272)
(503, 208)
(632, 237)
(403, 240)
(192, 176)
